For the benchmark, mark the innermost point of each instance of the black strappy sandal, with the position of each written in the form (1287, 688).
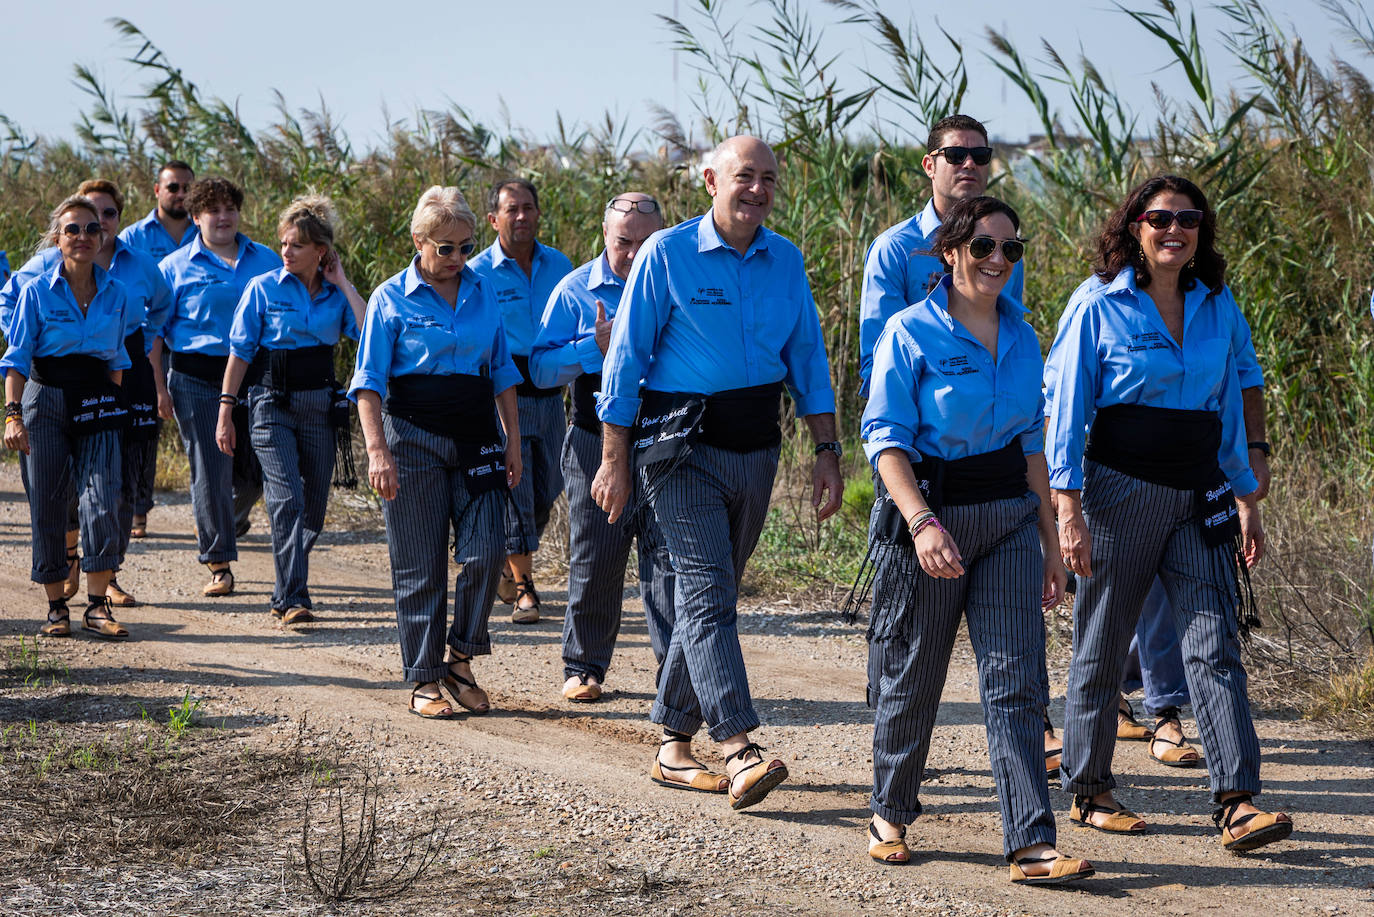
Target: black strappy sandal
(1173, 757)
(457, 684)
(59, 620)
(1267, 830)
(759, 779)
(525, 614)
(105, 626)
(703, 782)
(72, 585)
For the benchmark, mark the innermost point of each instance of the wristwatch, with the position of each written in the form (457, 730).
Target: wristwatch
(1262, 446)
(830, 447)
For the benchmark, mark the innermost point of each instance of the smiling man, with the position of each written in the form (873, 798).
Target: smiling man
(523, 272)
(717, 317)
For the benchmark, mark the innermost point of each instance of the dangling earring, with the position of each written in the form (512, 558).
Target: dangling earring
(1192, 262)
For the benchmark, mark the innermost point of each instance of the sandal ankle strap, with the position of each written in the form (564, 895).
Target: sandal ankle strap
(751, 747)
(669, 737)
(1225, 811)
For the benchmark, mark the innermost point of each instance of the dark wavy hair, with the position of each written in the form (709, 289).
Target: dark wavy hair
(1117, 246)
(960, 224)
(207, 192)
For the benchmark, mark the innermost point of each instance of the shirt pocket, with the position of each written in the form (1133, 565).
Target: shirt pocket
(1206, 365)
(1019, 383)
(772, 324)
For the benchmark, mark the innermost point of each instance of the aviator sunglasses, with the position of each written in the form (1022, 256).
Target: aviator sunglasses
(443, 250)
(1161, 219)
(981, 247)
(76, 229)
(955, 155)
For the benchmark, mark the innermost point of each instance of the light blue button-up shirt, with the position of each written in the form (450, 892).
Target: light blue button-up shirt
(410, 328)
(277, 312)
(697, 316)
(206, 291)
(149, 236)
(147, 303)
(897, 274)
(1114, 348)
(522, 298)
(565, 346)
(937, 391)
(48, 322)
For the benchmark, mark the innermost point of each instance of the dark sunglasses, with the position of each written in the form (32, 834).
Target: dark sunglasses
(175, 186)
(955, 155)
(649, 206)
(1162, 219)
(109, 213)
(76, 229)
(981, 247)
(443, 250)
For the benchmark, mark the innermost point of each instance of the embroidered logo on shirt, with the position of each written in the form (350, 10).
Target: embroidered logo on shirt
(281, 306)
(1146, 340)
(508, 295)
(424, 323)
(709, 296)
(955, 366)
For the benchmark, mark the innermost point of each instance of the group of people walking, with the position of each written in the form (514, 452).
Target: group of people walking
(1132, 459)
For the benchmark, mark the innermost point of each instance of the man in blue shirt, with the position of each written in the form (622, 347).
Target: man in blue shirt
(719, 307)
(523, 273)
(572, 340)
(169, 226)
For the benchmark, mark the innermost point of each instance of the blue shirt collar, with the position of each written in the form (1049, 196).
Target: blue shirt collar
(708, 237)
(413, 281)
(197, 248)
(1006, 305)
(1124, 282)
(499, 256)
(55, 276)
(283, 274)
(601, 275)
(928, 220)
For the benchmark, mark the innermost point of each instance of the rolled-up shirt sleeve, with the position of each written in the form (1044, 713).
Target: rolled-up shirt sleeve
(559, 356)
(22, 332)
(504, 372)
(376, 344)
(1234, 454)
(892, 416)
(245, 332)
(1243, 346)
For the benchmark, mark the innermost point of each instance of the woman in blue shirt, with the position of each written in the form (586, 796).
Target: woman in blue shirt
(65, 412)
(286, 324)
(207, 278)
(432, 360)
(953, 426)
(1146, 359)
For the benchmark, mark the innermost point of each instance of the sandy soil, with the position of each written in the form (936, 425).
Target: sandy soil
(574, 780)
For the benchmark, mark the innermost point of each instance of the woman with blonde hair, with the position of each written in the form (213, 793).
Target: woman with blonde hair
(64, 411)
(432, 361)
(286, 325)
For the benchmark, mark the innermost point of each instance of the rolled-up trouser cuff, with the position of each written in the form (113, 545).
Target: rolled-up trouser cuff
(674, 721)
(424, 674)
(470, 649)
(1085, 788)
(100, 564)
(571, 669)
(743, 721)
(896, 816)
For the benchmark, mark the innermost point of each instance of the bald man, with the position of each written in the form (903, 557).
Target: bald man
(569, 348)
(716, 318)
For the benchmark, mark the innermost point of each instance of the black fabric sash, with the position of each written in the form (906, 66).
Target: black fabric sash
(141, 390)
(526, 386)
(584, 389)
(201, 366)
(94, 403)
(462, 408)
(297, 369)
(996, 475)
(1172, 448)
(738, 420)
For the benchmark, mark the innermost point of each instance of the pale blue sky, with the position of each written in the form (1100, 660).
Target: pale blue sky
(541, 57)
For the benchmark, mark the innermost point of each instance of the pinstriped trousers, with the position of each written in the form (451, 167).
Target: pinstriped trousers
(999, 593)
(432, 502)
(710, 512)
(880, 587)
(219, 500)
(59, 464)
(295, 445)
(1138, 530)
(596, 566)
(543, 424)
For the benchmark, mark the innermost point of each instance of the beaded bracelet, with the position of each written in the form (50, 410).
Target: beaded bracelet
(931, 520)
(14, 409)
(918, 518)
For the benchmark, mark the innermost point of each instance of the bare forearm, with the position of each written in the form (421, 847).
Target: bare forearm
(14, 386)
(894, 467)
(234, 371)
(1252, 403)
(822, 427)
(615, 443)
(507, 410)
(155, 358)
(370, 419)
(1038, 477)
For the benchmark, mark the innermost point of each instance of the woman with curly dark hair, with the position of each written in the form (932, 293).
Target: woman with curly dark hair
(954, 426)
(1146, 356)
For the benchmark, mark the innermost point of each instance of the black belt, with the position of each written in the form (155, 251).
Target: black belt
(297, 369)
(996, 475)
(208, 368)
(584, 402)
(77, 370)
(1164, 446)
(526, 386)
(738, 420)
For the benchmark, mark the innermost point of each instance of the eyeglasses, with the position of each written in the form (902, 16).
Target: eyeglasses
(981, 247)
(109, 213)
(444, 249)
(1163, 219)
(616, 204)
(955, 155)
(76, 229)
(175, 186)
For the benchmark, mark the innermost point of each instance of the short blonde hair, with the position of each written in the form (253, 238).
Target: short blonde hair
(313, 216)
(441, 206)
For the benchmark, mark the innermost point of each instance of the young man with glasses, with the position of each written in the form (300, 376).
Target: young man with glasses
(169, 226)
(899, 271)
(569, 348)
(717, 315)
(523, 272)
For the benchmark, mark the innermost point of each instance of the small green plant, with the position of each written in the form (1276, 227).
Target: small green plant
(544, 852)
(25, 664)
(182, 716)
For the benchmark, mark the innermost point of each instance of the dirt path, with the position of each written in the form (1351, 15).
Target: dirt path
(801, 851)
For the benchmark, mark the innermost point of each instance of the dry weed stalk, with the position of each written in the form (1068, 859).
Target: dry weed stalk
(360, 869)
